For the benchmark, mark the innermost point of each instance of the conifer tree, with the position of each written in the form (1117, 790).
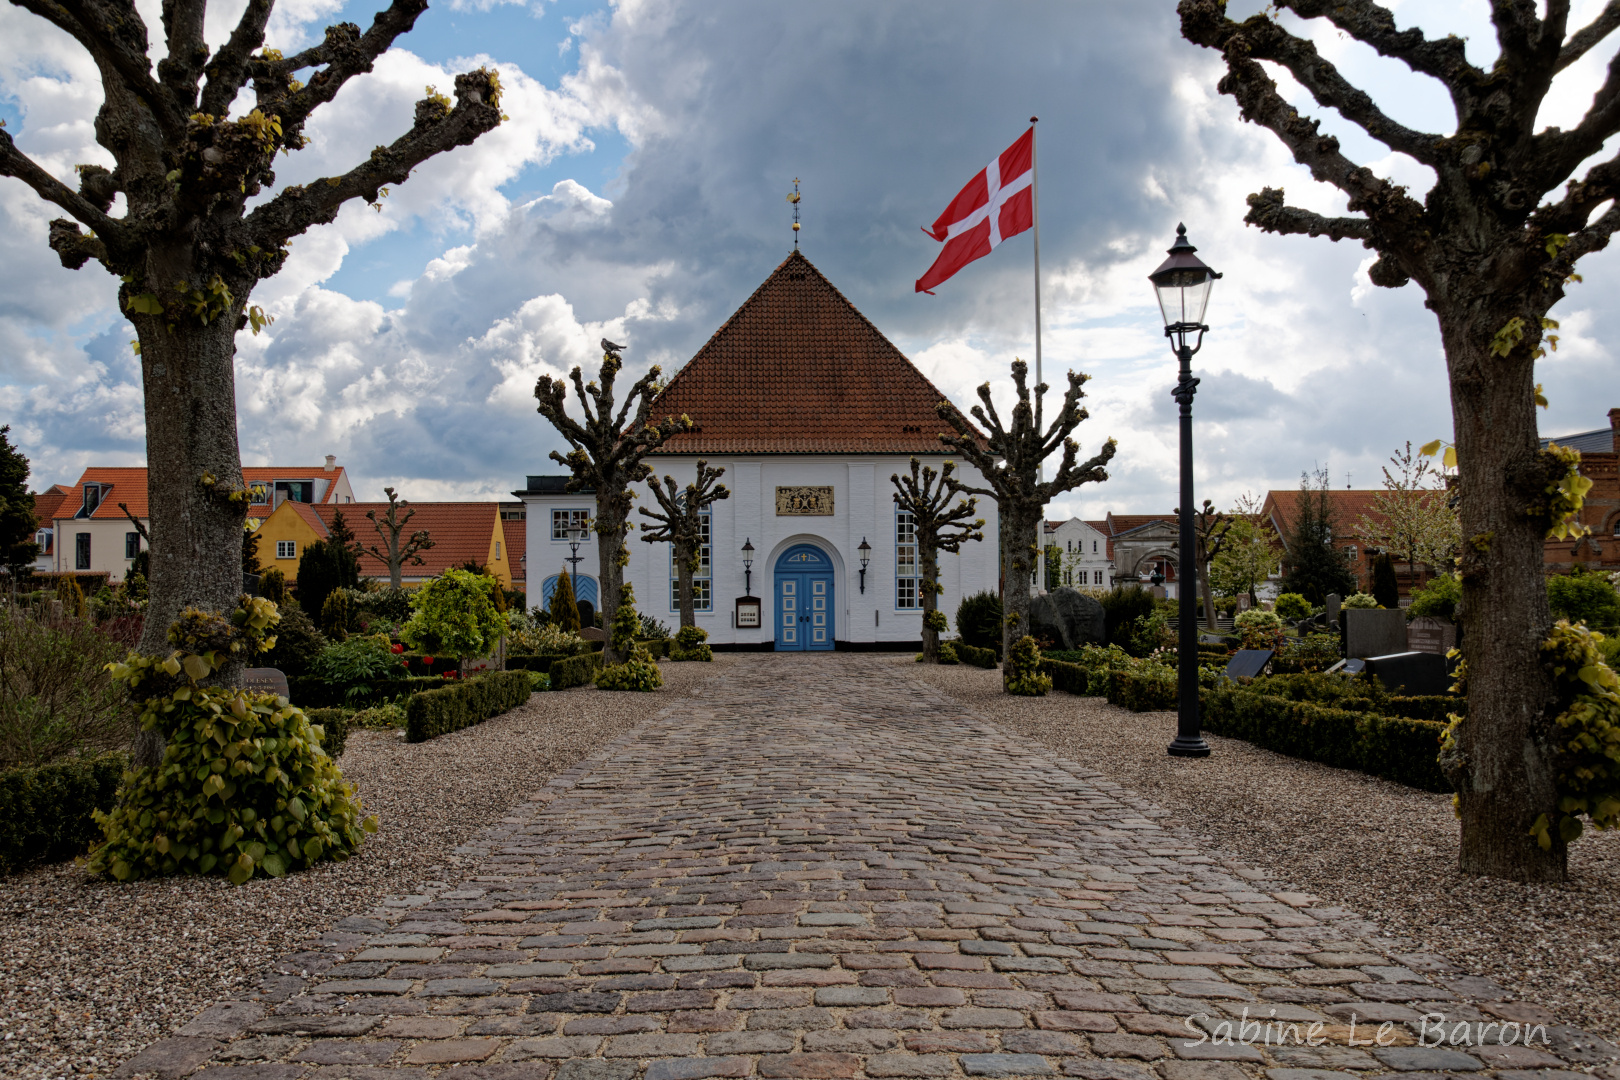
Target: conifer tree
(17, 522)
(939, 527)
(1385, 589)
(564, 611)
(1313, 567)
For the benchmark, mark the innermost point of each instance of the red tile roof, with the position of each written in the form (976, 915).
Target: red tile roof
(1348, 508)
(313, 519)
(129, 487)
(798, 370)
(459, 530)
(517, 543)
(48, 503)
(1123, 523)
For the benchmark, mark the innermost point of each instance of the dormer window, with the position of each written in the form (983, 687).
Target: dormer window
(93, 494)
(259, 492)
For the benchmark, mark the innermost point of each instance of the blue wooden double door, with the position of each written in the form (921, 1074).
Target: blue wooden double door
(804, 600)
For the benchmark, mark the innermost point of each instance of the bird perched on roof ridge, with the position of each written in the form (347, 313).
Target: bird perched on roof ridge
(608, 346)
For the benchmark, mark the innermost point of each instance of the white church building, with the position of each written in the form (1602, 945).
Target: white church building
(810, 410)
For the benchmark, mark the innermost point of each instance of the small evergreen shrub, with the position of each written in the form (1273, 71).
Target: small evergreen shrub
(459, 705)
(1022, 674)
(575, 670)
(298, 643)
(47, 813)
(691, 644)
(335, 615)
(947, 653)
(1291, 607)
(978, 621)
(273, 586)
(1438, 599)
(1360, 600)
(1259, 629)
(638, 671)
(1144, 688)
(1123, 606)
(971, 654)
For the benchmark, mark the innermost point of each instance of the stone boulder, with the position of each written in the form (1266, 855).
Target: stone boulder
(1069, 617)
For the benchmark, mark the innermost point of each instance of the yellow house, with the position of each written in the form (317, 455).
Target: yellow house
(286, 534)
(464, 532)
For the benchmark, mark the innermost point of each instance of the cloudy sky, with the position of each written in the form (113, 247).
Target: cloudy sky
(638, 192)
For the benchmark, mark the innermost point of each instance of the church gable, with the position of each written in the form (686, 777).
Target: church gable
(798, 370)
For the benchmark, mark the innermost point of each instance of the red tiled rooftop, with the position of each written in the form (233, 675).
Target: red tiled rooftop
(459, 530)
(129, 487)
(798, 370)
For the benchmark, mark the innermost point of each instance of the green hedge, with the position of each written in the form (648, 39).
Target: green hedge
(657, 648)
(575, 671)
(1065, 676)
(1395, 748)
(540, 662)
(972, 654)
(335, 723)
(1432, 707)
(45, 812)
(459, 705)
(1143, 691)
(309, 692)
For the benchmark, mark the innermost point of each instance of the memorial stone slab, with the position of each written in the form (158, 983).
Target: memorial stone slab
(265, 680)
(1332, 609)
(1374, 632)
(1425, 634)
(1075, 618)
(1348, 667)
(1412, 673)
(1247, 663)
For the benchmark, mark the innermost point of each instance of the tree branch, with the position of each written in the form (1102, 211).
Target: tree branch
(1595, 237)
(346, 53)
(437, 129)
(1372, 24)
(116, 41)
(228, 71)
(13, 162)
(1268, 211)
(1587, 37)
(188, 50)
(1266, 40)
(1563, 151)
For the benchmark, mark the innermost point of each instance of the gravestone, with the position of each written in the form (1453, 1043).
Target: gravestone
(1069, 616)
(1347, 667)
(1417, 672)
(1247, 663)
(1374, 632)
(1332, 612)
(1243, 603)
(587, 612)
(1425, 634)
(265, 680)
(593, 633)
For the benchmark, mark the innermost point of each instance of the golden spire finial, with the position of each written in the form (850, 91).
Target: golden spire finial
(794, 199)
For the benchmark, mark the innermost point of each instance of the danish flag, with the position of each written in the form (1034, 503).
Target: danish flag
(995, 204)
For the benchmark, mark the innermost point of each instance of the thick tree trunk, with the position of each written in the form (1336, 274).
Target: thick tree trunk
(610, 533)
(928, 558)
(1507, 777)
(1020, 529)
(683, 585)
(196, 558)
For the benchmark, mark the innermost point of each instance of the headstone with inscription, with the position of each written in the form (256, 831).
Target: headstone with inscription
(1374, 632)
(265, 680)
(1425, 634)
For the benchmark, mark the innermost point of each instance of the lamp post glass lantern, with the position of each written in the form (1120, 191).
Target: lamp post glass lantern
(866, 556)
(1181, 285)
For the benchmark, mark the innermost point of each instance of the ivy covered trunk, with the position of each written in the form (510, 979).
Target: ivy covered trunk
(1506, 779)
(195, 491)
(1020, 529)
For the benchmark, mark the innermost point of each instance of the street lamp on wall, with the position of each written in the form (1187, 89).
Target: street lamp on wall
(1181, 285)
(866, 556)
(748, 567)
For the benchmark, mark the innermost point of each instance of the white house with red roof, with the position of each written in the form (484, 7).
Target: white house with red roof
(810, 410)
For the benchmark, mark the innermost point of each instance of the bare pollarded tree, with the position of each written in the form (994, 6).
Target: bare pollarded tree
(397, 550)
(1010, 462)
(1493, 245)
(926, 496)
(190, 251)
(682, 526)
(607, 458)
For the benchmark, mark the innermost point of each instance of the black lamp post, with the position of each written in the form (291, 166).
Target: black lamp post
(748, 566)
(866, 556)
(576, 536)
(1182, 284)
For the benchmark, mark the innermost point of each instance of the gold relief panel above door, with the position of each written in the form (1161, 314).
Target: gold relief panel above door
(804, 502)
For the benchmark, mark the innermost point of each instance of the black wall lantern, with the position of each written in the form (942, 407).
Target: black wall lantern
(748, 567)
(866, 556)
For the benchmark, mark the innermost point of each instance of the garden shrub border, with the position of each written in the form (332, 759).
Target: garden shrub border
(45, 811)
(575, 671)
(972, 654)
(334, 727)
(311, 692)
(459, 705)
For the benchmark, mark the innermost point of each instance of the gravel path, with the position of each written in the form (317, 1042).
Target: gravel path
(1386, 851)
(92, 971)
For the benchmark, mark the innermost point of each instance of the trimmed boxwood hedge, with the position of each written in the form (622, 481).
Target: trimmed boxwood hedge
(657, 648)
(458, 705)
(309, 692)
(45, 811)
(335, 724)
(1065, 676)
(1143, 690)
(540, 662)
(576, 671)
(972, 654)
(1393, 747)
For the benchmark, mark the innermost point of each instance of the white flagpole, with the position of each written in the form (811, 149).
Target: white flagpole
(1035, 207)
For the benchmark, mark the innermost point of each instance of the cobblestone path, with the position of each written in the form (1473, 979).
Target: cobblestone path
(822, 868)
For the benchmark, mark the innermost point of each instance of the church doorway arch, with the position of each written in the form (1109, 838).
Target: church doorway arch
(804, 616)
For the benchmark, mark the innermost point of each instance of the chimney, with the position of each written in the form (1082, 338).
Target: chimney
(1614, 425)
(331, 460)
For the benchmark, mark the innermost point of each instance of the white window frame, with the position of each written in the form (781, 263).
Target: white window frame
(570, 517)
(907, 565)
(262, 493)
(286, 549)
(702, 578)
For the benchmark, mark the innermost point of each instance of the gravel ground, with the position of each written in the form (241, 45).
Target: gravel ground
(92, 971)
(1384, 850)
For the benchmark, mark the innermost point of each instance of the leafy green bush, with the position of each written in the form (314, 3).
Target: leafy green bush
(388, 603)
(459, 705)
(334, 725)
(1438, 599)
(244, 787)
(1259, 629)
(1313, 652)
(539, 682)
(575, 670)
(1022, 673)
(390, 714)
(653, 629)
(55, 696)
(638, 673)
(335, 615)
(1392, 747)
(1582, 596)
(47, 813)
(273, 586)
(978, 621)
(455, 615)
(947, 653)
(1292, 607)
(529, 635)
(690, 644)
(1357, 601)
(1122, 607)
(972, 654)
(355, 664)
